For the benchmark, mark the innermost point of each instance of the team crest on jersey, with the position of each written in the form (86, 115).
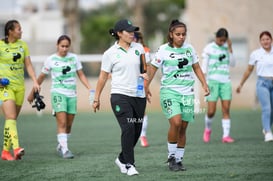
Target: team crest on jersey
(6, 94)
(118, 56)
(188, 53)
(137, 52)
(21, 49)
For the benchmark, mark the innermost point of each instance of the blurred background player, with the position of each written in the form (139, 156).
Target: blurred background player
(263, 59)
(143, 136)
(14, 59)
(217, 58)
(64, 67)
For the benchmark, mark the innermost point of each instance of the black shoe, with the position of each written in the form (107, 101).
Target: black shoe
(181, 166)
(173, 166)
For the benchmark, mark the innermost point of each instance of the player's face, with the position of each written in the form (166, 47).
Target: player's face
(179, 36)
(16, 33)
(266, 42)
(63, 48)
(220, 41)
(126, 37)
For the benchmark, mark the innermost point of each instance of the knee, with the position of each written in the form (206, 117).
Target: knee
(210, 114)
(176, 123)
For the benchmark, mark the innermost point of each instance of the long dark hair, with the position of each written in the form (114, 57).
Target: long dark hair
(10, 25)
(175, 24)
(63, 37)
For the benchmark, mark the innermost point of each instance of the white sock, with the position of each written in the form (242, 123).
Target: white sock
(62, 139)
(144, 125)
(226, 127)
(179, 154)
(208, 122)
(172, 147)
(68, 136)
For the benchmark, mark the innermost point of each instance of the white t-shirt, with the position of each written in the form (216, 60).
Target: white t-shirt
(63, 73)
(176, 66)
(264, 62)
(124, 67)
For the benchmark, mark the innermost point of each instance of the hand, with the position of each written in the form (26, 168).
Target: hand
(30, 97)
(148, 95)
(206, 89)
(145, 76)
(36, 87)
(96, 106)
(238, 89)
(229, 43)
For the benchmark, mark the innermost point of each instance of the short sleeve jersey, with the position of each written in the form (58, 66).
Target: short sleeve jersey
(264, 62)
(176, 66)
(216, 62)
(63, 73)
(12, 61)
(124, 66)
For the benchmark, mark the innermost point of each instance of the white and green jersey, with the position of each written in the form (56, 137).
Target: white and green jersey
(176, 66)
(63, 73)
(216, 62)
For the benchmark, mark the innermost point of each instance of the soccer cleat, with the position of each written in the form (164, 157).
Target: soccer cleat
(144, 141)
(6, 156)
(18, 153)
(181, 166)
(206, 135)
(173, 166)
(227, 139)
(131, 170)
(121, 166)
(68, 155)
(268, 137)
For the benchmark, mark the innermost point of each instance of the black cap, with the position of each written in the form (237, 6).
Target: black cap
(126, 25)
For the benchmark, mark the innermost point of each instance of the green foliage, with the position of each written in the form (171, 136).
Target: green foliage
(96, 23)
(159, 13)
(95, 33)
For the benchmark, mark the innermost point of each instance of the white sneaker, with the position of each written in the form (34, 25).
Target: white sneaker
(121, 166)
(268, 137)
(131, 170)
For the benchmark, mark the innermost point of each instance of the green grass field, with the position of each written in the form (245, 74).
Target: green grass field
(95, 142)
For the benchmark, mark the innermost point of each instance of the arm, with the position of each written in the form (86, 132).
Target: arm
(83, 79)
(40, 80)
(100, 85)
(31, 73)
(201, 77)
(151, 73)
(232, 60)
(245, 77)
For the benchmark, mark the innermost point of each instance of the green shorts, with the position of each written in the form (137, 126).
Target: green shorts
(217, 89)
(18, 95)
(62, 103)
(173, 103)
